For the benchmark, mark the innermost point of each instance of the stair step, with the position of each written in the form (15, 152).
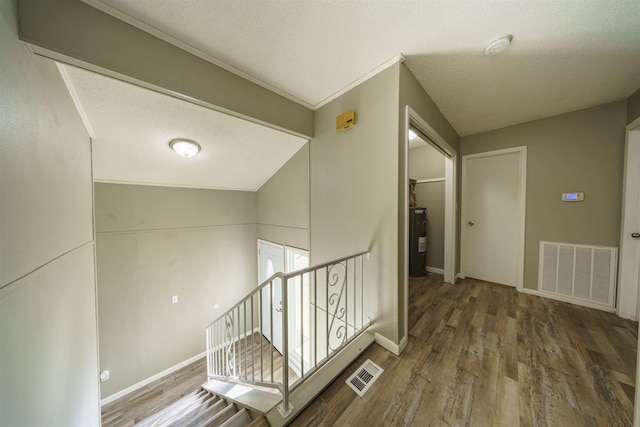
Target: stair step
(242, 418)
(218, 419)
(186, 412)
(206, 414)
(156, 419)
(261, 421)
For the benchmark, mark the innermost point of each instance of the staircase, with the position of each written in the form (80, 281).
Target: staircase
(203, 409)
(291, 336)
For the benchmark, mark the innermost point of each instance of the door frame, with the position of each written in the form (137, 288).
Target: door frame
(272, 292)
(451, 156)
(522, 196)
(434, 139)
(628, 304)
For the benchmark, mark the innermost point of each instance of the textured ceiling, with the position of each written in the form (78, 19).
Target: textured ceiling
(565, 55)
(132, 127)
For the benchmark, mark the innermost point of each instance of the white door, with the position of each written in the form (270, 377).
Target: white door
(629, 274)
(493, 216)
(271, 261)
(300, 342)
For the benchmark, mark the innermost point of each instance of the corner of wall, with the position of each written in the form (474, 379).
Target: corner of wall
(633, 106)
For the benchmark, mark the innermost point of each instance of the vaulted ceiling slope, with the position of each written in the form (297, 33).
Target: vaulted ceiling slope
(132, 126)
(565, 55)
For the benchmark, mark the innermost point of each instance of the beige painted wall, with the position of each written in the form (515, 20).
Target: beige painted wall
(157, 242)
(633, 107)
(48, 342)
(283, 203)
(427, 163)
(98, 41)
(354, 182)
(579, 151)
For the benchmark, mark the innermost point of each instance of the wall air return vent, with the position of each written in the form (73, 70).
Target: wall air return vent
(578, 273)
(364, 377)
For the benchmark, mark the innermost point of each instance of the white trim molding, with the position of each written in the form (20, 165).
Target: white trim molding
(377, 70)
(570, 300)
(435, 270)
(390, 345)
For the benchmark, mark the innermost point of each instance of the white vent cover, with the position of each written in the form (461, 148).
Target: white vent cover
(578, 272)
(364, 377)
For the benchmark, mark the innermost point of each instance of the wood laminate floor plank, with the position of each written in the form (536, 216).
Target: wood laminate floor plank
(481, 354)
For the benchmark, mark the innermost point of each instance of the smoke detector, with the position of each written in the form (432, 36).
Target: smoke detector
(498, 45)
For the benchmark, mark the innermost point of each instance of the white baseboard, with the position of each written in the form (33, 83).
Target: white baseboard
(568, 299)
(435, 270)
(149, 380)
(390, 345)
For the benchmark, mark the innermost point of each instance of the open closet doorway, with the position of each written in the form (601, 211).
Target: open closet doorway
(441, 158)
(426, 207)
(427, 133)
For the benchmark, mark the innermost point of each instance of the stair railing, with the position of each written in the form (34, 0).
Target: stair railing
(289, 326)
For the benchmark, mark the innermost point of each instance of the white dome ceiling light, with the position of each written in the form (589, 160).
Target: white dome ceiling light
(412, 134)
(498, 45)
(185, 147)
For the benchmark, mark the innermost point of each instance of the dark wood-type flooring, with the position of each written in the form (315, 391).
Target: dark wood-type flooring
(154, 397)
(147, 401)
(481, 354)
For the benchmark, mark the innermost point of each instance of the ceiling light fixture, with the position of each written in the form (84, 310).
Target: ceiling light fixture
(498, 45)
(412, 134)
(184, 147)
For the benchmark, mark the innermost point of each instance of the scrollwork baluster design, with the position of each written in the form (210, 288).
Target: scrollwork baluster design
(337, 282)
(229, 346)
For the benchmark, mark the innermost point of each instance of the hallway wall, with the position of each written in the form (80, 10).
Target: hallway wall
(48, 341)
(579, 151)
(157, 242)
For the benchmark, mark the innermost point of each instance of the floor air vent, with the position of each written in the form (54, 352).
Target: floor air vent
(364, 377)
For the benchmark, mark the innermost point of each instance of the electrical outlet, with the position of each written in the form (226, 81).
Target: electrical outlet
(104, 375)
(174, 299)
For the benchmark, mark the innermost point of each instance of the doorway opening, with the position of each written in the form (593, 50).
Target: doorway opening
(417, 124)
(276, 258)
(426, 207)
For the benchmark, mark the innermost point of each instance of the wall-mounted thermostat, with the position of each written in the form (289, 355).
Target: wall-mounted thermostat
(572, 197)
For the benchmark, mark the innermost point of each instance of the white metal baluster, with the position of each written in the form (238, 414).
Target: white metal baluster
(206, 333)
(285, 345)
(216, 334)
(217, 350)
(261, 337)
(244, 316)
(346, 300)
(362, 290)
(315, 318)
(234, 341)
(327, 312)
(355, 294)
(302, 308)
(271, 290)
(253, 347)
